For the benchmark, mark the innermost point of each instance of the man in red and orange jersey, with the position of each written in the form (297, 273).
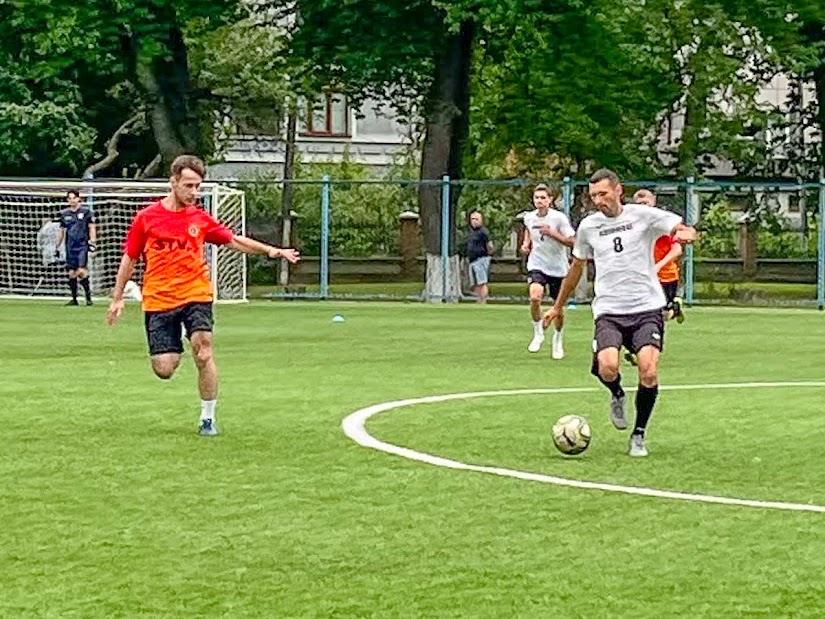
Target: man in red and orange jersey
(666, 253)
(169, 235)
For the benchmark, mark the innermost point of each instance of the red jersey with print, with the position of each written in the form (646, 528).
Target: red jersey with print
(171, 244)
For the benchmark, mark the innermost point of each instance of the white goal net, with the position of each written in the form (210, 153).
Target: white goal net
(29, 225)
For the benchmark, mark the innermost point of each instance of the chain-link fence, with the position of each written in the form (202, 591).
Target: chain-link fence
(760, 243)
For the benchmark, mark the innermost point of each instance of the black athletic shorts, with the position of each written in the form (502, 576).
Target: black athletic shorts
(633, 331)
(551, 284)
(77, 258)
(670, 289)
(164, 329)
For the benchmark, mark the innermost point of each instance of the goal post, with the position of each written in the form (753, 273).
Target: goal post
(29, 212)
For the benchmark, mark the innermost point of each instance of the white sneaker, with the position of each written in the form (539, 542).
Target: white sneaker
(558, 345)
(535, 345)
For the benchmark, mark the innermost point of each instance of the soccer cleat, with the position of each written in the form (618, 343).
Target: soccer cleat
(636, 446)
(89, 302)
(617, 416)
(207, 428)
(535, 344)
(73, 302)
(679, 314)
(558, 345)
(631, 358)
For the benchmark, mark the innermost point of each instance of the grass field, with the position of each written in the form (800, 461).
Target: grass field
(112, 506)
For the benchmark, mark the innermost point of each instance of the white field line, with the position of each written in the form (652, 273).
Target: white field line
(353, 426)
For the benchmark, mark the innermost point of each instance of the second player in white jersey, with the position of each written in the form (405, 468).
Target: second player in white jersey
(547, 254)
(626, 280)
(547, 237)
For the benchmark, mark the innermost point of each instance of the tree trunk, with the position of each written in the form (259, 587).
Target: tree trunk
(112, 151)
(286, 196)
(172, 110)
(694, 123)
(819, 84)
(447, 127)
(814, 32)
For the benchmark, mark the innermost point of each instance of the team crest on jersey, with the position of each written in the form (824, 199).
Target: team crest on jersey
(80, 215)
(193, 230)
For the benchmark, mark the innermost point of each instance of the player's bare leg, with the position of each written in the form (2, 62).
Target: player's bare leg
(202, 352)
(558, 338)
(536, 292)
(606, 369)
(165, 364)
(645, 398)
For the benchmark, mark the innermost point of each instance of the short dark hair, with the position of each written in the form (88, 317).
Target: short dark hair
(73, 192)
(604, 173)
(191, 162)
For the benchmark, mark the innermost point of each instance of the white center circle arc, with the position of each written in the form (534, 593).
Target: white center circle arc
(354, 427)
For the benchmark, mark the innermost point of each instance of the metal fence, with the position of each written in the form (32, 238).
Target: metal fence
(760, 243)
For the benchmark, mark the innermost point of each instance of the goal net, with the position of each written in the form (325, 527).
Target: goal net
(29, 210)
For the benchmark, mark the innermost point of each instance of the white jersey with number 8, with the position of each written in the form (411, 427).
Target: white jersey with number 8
(622, 251)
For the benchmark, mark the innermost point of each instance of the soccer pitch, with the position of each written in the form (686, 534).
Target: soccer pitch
(112, 505)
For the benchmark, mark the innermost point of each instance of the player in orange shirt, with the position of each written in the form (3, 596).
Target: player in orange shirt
(666, 253)
(169, 236)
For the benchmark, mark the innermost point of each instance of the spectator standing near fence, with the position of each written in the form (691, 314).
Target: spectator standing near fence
(479, 251)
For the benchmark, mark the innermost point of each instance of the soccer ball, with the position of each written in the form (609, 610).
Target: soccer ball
(571, 434)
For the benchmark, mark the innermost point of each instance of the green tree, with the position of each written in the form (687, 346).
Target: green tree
(81, 70)
(561, 89)
(416, 54)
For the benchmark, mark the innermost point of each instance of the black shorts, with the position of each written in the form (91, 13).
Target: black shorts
(77, 258)
(164, 329)
(670, 289)
(633, 331)
(551, 284)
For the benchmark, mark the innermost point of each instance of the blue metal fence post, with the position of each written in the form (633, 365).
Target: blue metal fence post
(691, 218)
(567, 195)
(820, 250)
(325, 191)
(445, 235)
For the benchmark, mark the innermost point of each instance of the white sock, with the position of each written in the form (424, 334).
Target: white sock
(538, 329)
(558, 332)
(208, 409)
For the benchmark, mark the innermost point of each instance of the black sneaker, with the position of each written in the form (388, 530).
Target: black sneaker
(89, 302)
(73, 302)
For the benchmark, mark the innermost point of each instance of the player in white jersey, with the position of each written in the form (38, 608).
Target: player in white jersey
(629, 300)
(547, 236)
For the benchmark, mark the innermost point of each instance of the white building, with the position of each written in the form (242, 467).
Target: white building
(370, 135)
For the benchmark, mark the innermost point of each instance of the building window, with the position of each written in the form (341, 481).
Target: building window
(328, 116)
(793, 203)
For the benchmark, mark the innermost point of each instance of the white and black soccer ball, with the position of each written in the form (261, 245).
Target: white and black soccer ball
(571, 434)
